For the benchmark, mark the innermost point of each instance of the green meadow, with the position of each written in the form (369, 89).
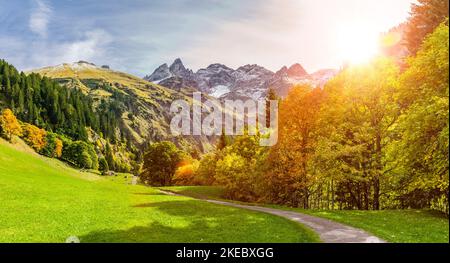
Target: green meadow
(44, 200)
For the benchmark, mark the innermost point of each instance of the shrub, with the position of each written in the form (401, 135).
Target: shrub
(80, 153)
(206, 170)
(103, 165)
(53, 146)
(233, 174)
(186, 174)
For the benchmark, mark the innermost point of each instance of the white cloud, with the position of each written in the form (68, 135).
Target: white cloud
(39, 18)
(92, 46)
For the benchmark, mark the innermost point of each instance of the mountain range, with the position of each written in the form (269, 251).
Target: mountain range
(245, 82)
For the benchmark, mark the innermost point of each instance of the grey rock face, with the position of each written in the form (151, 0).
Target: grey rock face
(177, 69)
(249, 81)
(162, 72)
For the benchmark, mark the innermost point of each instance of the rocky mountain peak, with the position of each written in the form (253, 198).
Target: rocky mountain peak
(218, 67)
(248, 81)
(177, 67)
(247, 68)
(281, 72)
(254, 70)
(162, 72)
(296, 70)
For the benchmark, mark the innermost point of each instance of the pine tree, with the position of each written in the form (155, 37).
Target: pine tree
(271, 95)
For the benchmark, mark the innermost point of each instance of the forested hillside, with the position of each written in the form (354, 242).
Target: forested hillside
(136, 111)
(42, 102)
(98, 114)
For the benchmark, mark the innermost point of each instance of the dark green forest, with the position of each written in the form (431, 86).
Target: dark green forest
(66, 113)
(43, 102)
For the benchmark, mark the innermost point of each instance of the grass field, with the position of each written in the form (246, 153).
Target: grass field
(402, 226)
(202, 192)
(44, 200)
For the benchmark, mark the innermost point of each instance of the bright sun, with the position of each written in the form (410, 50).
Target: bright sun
(357, 45)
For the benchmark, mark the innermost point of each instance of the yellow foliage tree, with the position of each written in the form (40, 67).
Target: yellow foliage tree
(34, 136)
(9, 125)
(58, 148)
(186, 174)
(289, 178)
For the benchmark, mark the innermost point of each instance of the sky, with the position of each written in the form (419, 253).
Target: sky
(136, 36)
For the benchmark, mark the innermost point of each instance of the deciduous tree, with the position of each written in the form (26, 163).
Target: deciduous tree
(9, 125)
(161, 161)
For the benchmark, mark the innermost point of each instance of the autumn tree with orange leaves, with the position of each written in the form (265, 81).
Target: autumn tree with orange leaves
(9, 125)
(288, 179)
(34, 136)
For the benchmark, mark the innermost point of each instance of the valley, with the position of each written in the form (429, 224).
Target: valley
(289, 122)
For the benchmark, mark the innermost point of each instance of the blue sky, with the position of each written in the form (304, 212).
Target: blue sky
(136, 35)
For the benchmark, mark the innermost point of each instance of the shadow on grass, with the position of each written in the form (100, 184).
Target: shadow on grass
(152, 233)
(194, 221)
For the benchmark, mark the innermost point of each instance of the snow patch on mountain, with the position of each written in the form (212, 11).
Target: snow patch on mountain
(219, 90)
(248, 81)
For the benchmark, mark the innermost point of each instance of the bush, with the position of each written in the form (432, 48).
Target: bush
(187, 174)
(80, 153)
(206, 170)
(239, 168)
(103, 165)
(50, 145)
(233, 174)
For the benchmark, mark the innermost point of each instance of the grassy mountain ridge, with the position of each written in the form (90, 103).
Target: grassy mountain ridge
(144, 106)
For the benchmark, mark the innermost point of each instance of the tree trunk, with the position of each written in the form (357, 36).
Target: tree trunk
(376, 179)
(376, 194)
(332, 195)
(328, 195)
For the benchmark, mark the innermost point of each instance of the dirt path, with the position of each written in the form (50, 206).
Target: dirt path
(329, 231)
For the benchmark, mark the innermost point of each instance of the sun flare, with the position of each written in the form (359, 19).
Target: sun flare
(357, 45)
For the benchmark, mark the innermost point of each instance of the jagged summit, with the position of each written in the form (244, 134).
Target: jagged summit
(217, 67)
(162, 72)
(177, 66)
(248, 81)
(296, 70)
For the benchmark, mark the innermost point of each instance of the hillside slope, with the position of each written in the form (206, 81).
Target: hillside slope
(48, 201)
(142, 105)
